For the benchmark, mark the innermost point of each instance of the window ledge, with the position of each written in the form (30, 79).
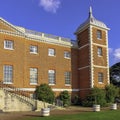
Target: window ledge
(100, 82)
(33, 53)
(67, 58)
(33, 83)
(99, 38)
(52, 55)
(51, 84)
(7, 82)
(8, 48)
(100, 56)
(67, 84)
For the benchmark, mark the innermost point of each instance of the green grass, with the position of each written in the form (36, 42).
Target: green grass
(103, 115)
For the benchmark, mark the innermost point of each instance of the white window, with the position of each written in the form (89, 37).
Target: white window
(100, 77)
(67, 78)
(33, 49)
(67, 54)
(51, 77)
(51, 52)
(99, 34)
(99, 51)
(8, 74)
(33, 75)
(8, 44)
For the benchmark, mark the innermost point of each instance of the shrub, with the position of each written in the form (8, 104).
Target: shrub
(97, 96)
(111, 93)
(45, 93)
(65, 97)
(76, 100)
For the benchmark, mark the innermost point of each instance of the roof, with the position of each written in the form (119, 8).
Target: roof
(92, 21)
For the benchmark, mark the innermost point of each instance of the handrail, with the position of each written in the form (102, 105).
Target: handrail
(19, 93)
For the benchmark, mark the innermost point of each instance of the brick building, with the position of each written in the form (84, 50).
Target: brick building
(29, 58)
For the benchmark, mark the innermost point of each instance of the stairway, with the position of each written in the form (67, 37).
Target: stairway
(12, 95)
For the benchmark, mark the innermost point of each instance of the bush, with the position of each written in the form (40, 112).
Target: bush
(45, 93)
(111, 93)
(76, 100)
(97, 96)
(65, 97)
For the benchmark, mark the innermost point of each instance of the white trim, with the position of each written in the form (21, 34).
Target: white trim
(33, 83)
(27, 89)
(100, 45)
(83, 46)
(70, 90)
(67, 84)
(12, 26)
(100, 82)
(7, 82)
(51, 84)
(108, 73)
(54, 89)
(91, 57)
(83, 67)
(98, 66)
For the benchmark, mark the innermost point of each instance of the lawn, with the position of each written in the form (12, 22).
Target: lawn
(103, 115)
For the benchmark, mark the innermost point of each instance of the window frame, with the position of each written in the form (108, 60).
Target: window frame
(51, 77)
(33, 76)
(8, 74)
(9, 44)
(99, 51)
(100, 77)
(33, 49)
(99, 34)
(51, 52)
(67, 54)
(67, 76)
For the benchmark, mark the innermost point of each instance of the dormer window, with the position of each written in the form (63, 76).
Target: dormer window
(99, 34)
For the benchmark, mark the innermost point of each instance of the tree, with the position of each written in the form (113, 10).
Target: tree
(111, 93)
(45, 93)
(115, 74)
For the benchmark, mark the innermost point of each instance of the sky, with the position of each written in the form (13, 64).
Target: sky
(62, 17)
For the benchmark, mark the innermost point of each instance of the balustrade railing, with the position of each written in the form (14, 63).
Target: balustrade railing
(24, 95)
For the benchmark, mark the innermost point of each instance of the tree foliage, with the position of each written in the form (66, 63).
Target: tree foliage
(115, 74)
(111, 93)
(65, 97)
(45, 93)
(97, 96)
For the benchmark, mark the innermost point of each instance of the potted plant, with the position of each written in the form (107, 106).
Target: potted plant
(45, 111)
(98, 98)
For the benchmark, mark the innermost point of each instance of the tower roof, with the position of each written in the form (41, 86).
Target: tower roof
(91, 20)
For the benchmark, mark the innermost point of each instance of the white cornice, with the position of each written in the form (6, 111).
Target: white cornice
(38, 39)
(37, 36)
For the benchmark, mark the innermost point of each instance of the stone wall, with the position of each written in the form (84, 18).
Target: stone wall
(12, 102)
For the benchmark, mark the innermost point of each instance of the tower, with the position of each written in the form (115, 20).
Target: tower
(93, 65)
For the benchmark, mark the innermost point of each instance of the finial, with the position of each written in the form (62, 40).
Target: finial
(90, 12)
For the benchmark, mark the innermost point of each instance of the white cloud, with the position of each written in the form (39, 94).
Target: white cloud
(117, 54)
(50, 5)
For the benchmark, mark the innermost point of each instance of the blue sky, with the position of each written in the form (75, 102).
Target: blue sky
(62, 17)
